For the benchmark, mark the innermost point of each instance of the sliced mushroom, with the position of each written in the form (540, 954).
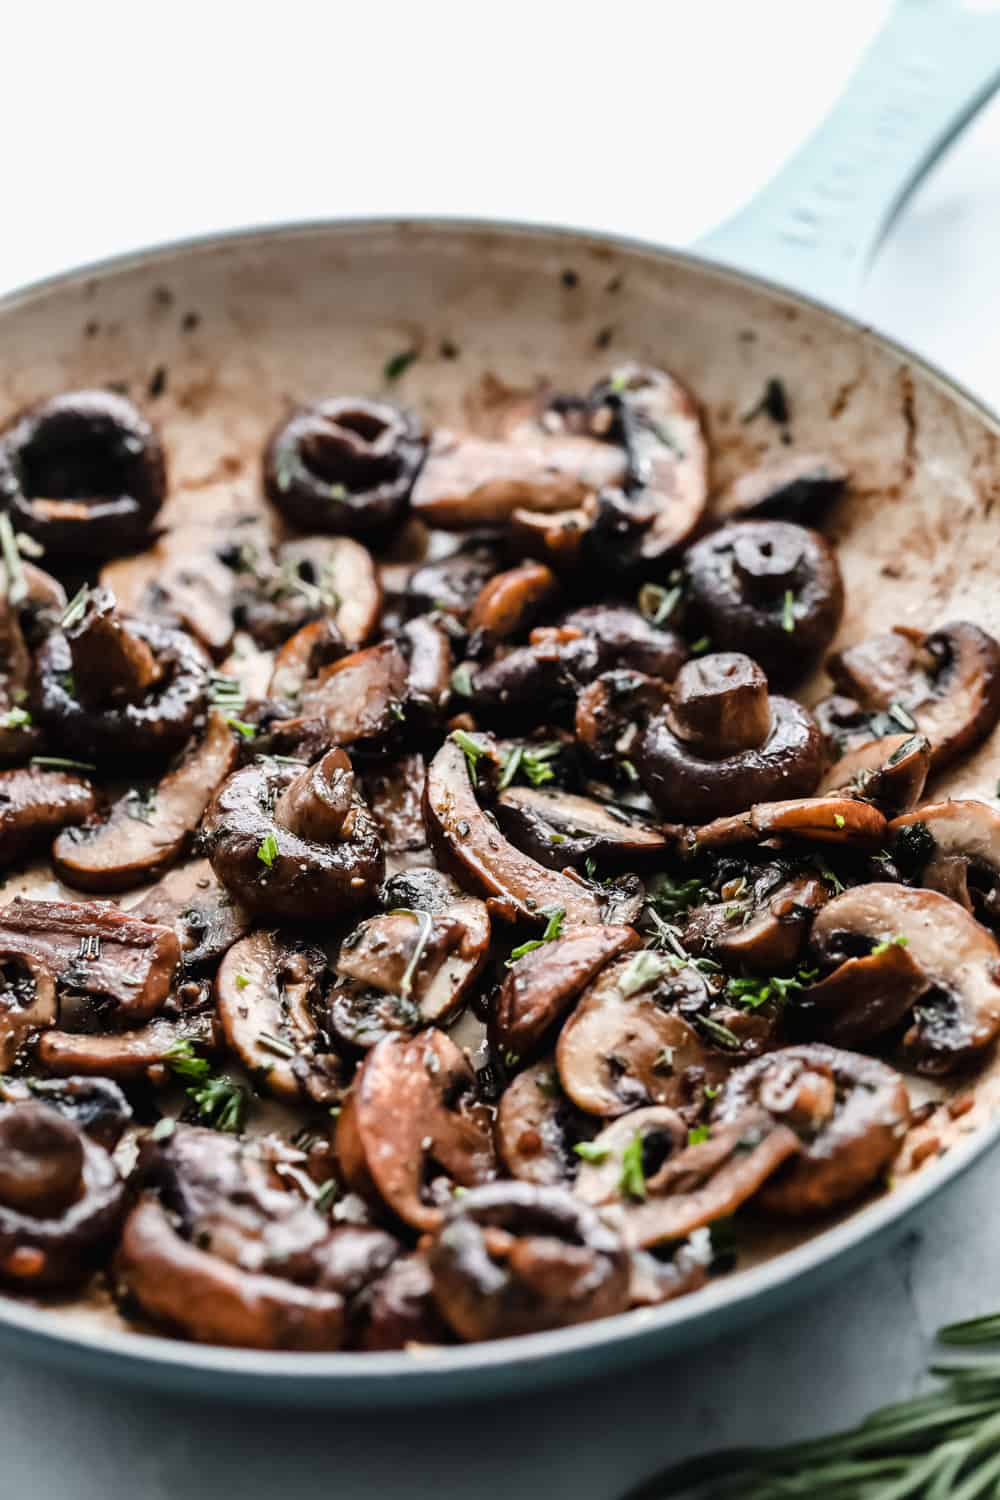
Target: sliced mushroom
(344, 465)
(850, 1114)
(410, 1127)
(559, 828)
(945, 686)
(61, 1199)
(627, 1044)
(960, 1013)
(360, 699)
(834, 820)
(344, 574)
(268, 994)
(510, 601)
(27, 1003)
(610, 712)
(294, 844)
(467, 840)
(704, 1182)
(541, 985)
(394, 791)
(110, 686)
(953, 847)
(94, 949)
(303, 656)
(397, 1311)
(453, 583)
(83, 473)
(795, 487)
(96, 1106)
(182, 580)
(201, 911)
(514, 1258)
(19, 736)
(769, 588)
(660, 1133)
(35, 804)
(890, 772)
(722, 743)
(147, 831)
(124, 1055)
(427, 649)
(763, 929)
(537, 1128)
(863, 998)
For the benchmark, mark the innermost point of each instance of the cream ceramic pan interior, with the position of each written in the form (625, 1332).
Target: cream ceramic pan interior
(218, 339)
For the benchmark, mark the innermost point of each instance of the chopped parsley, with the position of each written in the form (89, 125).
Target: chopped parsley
(326, 1195)
(461, 680)
(267, 851)
(633, 1178)
(399, 363)
(59, 763)
(752, 993)
(75, 609)
(15, 718)
(241, 981)
(642, 971)
(242, 727)
(697, 1134)
(701, 645)
(899, 941)
(592, 1152)
(839, 820)
(471, 748)
(221, 1102)
(556, 916)
(183, 1060)
(658, 603)
(788, 612)
(670, 897)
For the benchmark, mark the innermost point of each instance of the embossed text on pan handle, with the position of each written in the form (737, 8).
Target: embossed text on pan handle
(815, 226)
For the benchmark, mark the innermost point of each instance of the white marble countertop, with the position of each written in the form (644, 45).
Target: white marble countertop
(651, 120)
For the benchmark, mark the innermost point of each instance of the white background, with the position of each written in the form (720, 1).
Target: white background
(123, 125)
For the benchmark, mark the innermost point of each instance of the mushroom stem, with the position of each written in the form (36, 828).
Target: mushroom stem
(768, 564)
(720, 704)
(41, 1160)
(110, 664)
(318, 804)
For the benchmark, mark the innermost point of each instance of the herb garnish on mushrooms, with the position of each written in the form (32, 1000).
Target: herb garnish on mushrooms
(553, 927)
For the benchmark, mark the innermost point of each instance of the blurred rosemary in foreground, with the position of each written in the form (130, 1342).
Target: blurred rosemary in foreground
(944, 1445)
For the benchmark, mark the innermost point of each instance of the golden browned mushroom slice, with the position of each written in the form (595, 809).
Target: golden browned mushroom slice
(124, 1055)
(560, 828)
(944, 685)
(761, 927)
(345, 573)
(960, 1014)
(953, 847)
(27, 1003)
(303, 656)
(794, 487)
(514, 1258)
(35, 804)
(538, 1129)
(890, 772)
(624, 1046)
(411, 1127)
(849, 1112)
(470, 481)
(542, 984)
(94, 949)
(861, 999)
(146, 831)
(359, 699)
(662, 1194)
(201, 911)
(828, 820)
(268, 993)
(61, 1198)
(180, 578)
(468, 842)
(510, 602)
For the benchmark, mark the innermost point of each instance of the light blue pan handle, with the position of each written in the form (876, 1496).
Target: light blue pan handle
(817, 224)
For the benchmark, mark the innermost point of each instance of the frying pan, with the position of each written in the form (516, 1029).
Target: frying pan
(220, 335)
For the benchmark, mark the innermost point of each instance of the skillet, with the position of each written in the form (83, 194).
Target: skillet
(219, 336)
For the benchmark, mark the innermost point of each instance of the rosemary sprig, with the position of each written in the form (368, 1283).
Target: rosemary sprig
(943, 1445)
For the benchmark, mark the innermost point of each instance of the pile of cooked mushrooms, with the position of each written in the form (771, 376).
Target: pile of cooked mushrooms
(436, 919)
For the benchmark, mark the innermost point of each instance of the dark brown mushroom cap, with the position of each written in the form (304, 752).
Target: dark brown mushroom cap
(610, 712)
(280, 873)
(954, 847)
(537, 1128)
(769, 588)
(793, 487)
(453, 583)
(627, 1043)
(509, 603)
(469, 482)
(123, 1055)
(158, 721)
(620, 637)
(96, 1106)
(28, 1002)
(96, 950)
(706, 1181)
(360, 699)
(945, 686)
(35, 804)
(827, 820)
(541, 985)
(201, 911)
(411, 1111)
(468, 842)
(861, 999)
(397, 1310)
(83, 473)
(560, 828)
(763, 929)
(849, 1112)
(394, 790)
(268, 995)
(344, 465)
(146, 831)
(691, 785)
(890, 772)
(514, 1258)
(61, 1199)
(960, 1014)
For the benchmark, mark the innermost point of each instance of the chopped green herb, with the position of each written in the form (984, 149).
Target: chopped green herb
(425, 923)
(642, 971)
(472, 748)
(221, 1102)
(242, 727)
(241, 981)
(267, 851)
(710, 1092)
(17, 588)
(397, 711)
(718, 1033)
(326, 1195)
(399, 363)
(15, 718)
(592, 1152)
(619, 382)
(511, 761)
(671, 897)
(59, 763)
(788, 612)
(899, 941)
(752, 993)
(183, 1060)
(629, 769)
(461, 680)
(633, 1178)
(75, 609)
(839, 819)
(701, 645)
(226, 692)
(697, 1134)
(556, 916)
(658, 603)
